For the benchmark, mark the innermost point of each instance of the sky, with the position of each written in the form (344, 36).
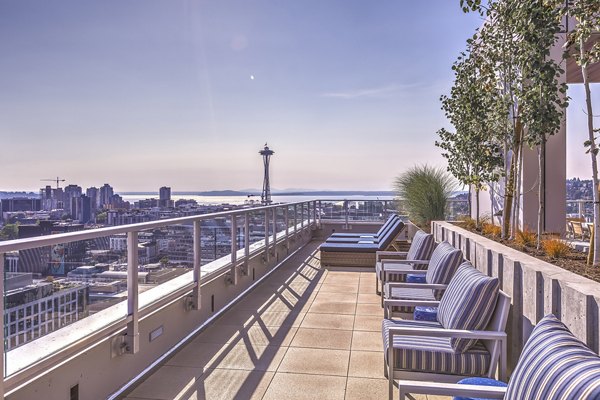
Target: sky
(184, 93)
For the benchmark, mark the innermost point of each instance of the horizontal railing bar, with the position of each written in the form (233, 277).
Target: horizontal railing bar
(51, 240)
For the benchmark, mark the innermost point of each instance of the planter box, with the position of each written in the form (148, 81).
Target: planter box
(537, 288)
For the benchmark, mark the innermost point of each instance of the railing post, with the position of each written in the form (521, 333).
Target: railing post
(287, 227)
(132, 339)
(302, 217)
(197, 261)
(2, 327)
(320, 212)
(314, 212)
(234, 277)
(385, 210)
(295, 218)
(580, 208)
(275, 232)
(246, 241)
(346, 213)
(267, 255)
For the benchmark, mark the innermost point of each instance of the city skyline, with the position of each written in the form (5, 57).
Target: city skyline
(185, 93)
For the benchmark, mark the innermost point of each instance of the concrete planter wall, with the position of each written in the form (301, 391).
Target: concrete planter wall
(537, 288)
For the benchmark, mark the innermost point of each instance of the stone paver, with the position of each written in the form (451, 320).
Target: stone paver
(305, 333)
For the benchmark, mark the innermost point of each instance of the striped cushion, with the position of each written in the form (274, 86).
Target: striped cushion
(410, 294)
(443, 264)
(433, 354)
(555, 364)
(420, 248)
(468, 303)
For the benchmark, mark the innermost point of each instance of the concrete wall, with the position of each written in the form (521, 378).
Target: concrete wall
(537, 288)
(99, 375)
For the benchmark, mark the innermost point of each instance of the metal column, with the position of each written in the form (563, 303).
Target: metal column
(132, 340)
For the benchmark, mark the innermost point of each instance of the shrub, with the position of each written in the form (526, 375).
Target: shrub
(425, 191)
(491, 230)
(555, 248)
(525, 238)
(468, 223)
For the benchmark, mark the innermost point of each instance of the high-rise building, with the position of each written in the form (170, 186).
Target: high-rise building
(164, 197)
(106, 193)
(93, 193)
(81, 209)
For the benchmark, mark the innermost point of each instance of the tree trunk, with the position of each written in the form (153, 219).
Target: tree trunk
(541, 190)
(508, 200)
(469, 204)
(477, 206)
(593, 150)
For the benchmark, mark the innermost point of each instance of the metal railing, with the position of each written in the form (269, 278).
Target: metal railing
(297, 217)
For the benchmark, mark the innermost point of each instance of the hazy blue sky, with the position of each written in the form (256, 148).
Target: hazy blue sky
(148, 93)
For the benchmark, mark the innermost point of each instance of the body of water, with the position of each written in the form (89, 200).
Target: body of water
(242, 199)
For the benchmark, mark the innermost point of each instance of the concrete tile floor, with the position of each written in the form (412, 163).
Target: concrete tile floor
(305, 333)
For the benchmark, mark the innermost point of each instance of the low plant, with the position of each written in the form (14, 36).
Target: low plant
(491, 230)
(525, 238)
(425, 191)
(468, 223)
(555, 248)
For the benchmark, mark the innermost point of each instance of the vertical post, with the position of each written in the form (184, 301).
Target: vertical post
(197, 262)
(308, 219)
(319, 214)
(132, 339)
(246, 240)
(275, 232)
(346, 213)
(385, 210)
(580, 208)
(267, 255)
(314, 212)
(234, 249)
(295, 217)
(287, 227)
(302, 217)
(2, 327)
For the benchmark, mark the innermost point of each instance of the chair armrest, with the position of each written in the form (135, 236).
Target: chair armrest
(390, 254)
(389, 303)
(391, 271)
(442, 332)
(450, 389)
(405, 261)
(433, 286)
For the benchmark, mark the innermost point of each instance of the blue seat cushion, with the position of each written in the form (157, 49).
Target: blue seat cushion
(415, 278)
(555, 365)
(433, 354)
(422, 313)
(479, 382)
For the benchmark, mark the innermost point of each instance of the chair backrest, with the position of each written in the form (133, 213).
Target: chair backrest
(577, 229)
(393, 231)
(386, 225)
(468, 303)
(555, 365)
(421, 247)
(444, 262)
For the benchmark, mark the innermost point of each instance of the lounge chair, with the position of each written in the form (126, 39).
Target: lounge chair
(416, 257)
(554, 365)
(354, 237)
(468, 339)
(360, 253)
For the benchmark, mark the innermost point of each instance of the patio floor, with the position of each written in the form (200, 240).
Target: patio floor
(304, 333)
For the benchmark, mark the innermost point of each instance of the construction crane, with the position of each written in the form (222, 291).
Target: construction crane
(57, 180)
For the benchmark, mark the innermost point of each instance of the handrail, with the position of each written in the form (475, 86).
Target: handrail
(50, 240)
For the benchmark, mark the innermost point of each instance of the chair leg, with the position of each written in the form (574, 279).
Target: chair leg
(391, 363)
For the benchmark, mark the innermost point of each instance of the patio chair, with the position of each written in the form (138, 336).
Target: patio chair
(440, 273)
(577, 229)
(554, 365)
(440, 268)
(354, 237)
(360, 253)
(416, 257)
(468, 339)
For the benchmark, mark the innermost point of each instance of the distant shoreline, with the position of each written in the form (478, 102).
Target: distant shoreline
(246, 194)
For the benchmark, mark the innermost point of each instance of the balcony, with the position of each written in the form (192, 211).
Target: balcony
(264, 319)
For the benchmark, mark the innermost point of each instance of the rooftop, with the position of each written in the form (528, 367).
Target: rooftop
(304, 333)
